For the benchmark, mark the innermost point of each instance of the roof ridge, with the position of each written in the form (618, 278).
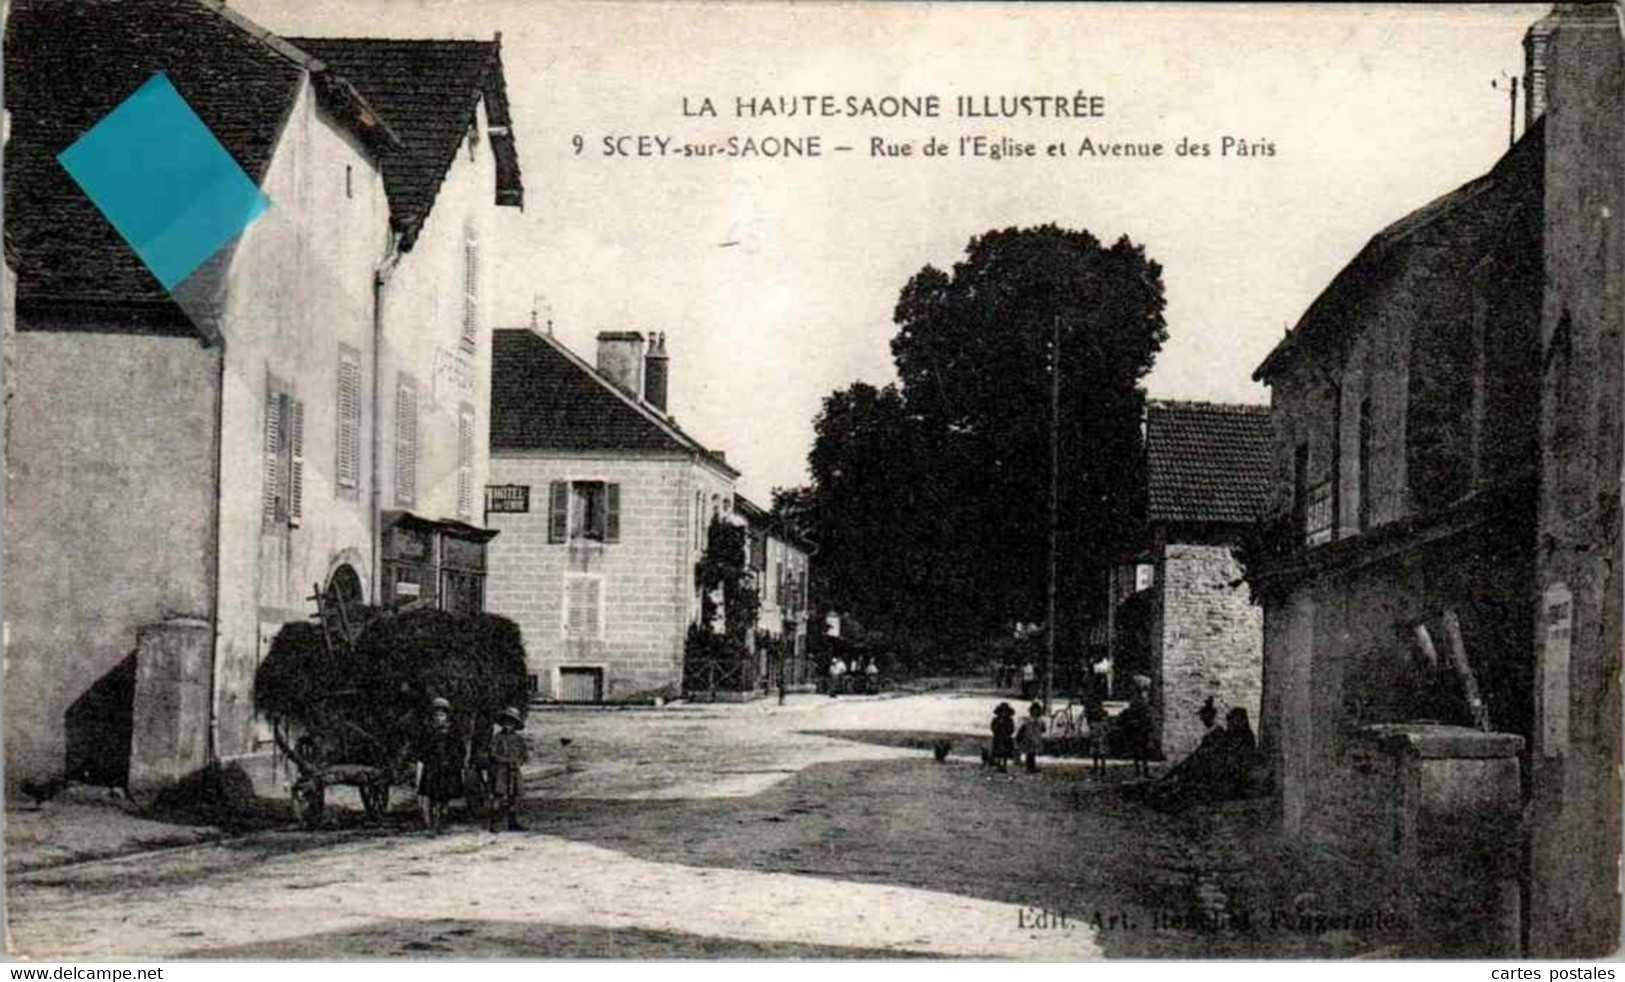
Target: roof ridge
(1238, 408)
(264, 35)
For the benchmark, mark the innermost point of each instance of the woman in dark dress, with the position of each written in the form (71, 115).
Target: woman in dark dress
(440, 765)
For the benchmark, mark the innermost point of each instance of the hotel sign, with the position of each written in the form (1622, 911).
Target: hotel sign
(507, 499)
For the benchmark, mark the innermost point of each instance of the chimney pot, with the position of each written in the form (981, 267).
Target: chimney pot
(656, 372)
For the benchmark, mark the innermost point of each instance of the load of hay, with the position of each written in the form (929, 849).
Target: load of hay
(330, 701)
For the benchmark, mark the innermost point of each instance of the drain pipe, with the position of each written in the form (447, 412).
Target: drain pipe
(386, 268)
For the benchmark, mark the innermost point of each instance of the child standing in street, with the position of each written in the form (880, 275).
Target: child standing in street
(440, 765)
(508, 756)
(1004, 730)
(1031, 736)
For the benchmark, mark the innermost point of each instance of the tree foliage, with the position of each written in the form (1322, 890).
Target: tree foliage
(930, 497)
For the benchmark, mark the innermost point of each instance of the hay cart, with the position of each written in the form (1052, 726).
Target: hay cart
(342, 744)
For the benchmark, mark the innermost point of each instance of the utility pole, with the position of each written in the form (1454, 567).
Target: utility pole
(1054, 504)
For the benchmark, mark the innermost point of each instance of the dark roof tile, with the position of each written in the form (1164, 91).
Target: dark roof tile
(1208, 462)
(543, 397)
(67, 65)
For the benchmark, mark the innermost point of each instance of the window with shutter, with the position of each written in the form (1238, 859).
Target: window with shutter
(296, 460)
(584, 601)
(612, 513)
(465, 461)
(558, 511)
(348, 469)
(471, 286)
(271, 496)
(406, 441)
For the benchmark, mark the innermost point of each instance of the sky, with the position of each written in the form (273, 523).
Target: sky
(775, 279)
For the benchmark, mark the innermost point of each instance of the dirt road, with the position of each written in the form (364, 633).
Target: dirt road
(817, 829)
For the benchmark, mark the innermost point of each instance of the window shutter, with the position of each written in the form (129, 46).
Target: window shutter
(612, 513)
(349, 435)
(558, 511)
(406, 442)
(471, 286)
(296, 460)
(271, 493)
(465, 462)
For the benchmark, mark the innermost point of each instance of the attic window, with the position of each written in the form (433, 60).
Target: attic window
(473, 140)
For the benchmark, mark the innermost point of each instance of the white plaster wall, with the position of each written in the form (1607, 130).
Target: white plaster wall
(300, 285)
(423, 331)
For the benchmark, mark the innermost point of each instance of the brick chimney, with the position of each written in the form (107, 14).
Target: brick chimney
(656, 372)
(620, 359)
(1536, 46)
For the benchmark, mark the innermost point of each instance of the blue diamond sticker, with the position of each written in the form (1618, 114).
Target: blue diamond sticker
(164, 182)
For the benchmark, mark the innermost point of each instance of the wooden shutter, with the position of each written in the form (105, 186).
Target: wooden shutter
(471, 286)
(349, 413)
(558, 511)
(612, 513)
(465, 462)
(296, 459)
(406, 442)
(271, 492)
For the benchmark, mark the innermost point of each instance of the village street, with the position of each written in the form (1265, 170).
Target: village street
(822, 828)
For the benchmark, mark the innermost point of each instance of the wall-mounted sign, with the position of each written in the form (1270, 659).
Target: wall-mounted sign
(507, 498)
(454, 376)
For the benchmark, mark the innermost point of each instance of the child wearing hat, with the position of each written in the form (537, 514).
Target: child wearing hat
(440, 765)
(508, 756)
(1004, 735)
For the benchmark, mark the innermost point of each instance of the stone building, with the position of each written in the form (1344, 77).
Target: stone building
(1405, 402)
(779, 559)
(1186, 618)
(184, 472)
(605, 508)
(1575, 802)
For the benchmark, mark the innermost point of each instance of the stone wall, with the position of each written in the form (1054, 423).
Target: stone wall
(1575, 791)
(1212, 641)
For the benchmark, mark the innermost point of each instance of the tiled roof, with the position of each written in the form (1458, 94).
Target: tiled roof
(1208, 462)
(1520, 168)
(66, 66)
(543, 397)
(426, 91)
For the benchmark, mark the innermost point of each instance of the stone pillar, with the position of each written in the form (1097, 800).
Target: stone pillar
(170, 731)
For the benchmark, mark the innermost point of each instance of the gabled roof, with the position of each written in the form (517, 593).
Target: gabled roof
(545, 398)
(67, 65)
(1521, 168)
(427, 90)
(1208, 462)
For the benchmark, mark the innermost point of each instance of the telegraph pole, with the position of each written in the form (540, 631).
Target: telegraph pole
(1054, 504)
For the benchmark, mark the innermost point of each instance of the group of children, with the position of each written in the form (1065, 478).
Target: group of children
(1008, 738)
(440, 767)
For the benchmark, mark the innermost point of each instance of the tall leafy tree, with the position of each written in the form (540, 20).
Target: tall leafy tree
(931, 498)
